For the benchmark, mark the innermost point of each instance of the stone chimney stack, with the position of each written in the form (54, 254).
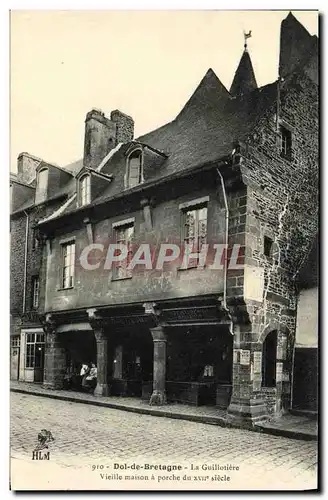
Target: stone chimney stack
(26, 167)
(124, 126)
(103, 134)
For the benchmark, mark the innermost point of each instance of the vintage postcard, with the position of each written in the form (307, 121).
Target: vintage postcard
(164, 250)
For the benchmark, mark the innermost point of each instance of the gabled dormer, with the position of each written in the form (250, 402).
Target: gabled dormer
(89, 183)
(141, 161)
(49, 180)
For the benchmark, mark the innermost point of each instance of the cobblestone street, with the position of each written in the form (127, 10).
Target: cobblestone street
(87, 436)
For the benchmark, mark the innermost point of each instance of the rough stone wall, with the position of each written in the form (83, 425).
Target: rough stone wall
(282, 200)
(34, 267)
(124, 126)
(282, 204)
(26, 167)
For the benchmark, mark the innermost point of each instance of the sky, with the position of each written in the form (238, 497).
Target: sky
(145, 63)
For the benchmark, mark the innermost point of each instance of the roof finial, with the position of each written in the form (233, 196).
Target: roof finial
(247, 35)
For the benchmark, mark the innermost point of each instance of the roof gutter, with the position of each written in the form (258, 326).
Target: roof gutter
(142, 187)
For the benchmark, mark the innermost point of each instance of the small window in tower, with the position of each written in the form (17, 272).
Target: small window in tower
(268, 242)
(286, 143)
(134, 170)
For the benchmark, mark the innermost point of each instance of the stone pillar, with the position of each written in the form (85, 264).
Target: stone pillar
(247, 405)
(102, 388)
(158, 396)
(54, 361)
(97, 323)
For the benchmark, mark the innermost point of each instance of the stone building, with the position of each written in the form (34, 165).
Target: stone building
(237, 168)
(306, 358)
(30, 201)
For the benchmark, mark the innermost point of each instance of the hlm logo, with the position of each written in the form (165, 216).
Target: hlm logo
(38, 455)
(44, 439)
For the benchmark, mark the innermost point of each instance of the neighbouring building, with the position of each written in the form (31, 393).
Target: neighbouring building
(30, 199)
(306, 357)
(236, 168)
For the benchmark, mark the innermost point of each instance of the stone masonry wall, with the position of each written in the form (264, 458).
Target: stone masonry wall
(283, 198)
(34, 263)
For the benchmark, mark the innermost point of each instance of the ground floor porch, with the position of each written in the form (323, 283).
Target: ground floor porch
(186, 351)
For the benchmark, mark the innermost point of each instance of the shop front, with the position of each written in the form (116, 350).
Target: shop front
(31, 355)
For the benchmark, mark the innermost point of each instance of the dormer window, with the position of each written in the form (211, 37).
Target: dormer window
(85, 191)
(134, 169)
(41, 186)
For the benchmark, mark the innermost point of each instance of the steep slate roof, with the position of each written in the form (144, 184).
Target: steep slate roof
(205, 130)
(68, 189)
(244, 80)
(296, 45)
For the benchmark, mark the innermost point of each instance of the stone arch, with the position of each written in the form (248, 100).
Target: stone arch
(274, 325)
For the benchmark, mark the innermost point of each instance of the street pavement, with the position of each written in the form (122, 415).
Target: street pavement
(90, 440)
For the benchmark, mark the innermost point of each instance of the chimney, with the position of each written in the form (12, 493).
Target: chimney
(26, 167)
(103, 134)
(124, 126)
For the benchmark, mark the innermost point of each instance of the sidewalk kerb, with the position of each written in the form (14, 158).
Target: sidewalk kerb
(209, 420)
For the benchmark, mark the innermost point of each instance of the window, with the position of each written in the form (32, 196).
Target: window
(15, 341)
(41, 186)
(268, 242)
(35, 240)
(195, 229)
(124, 236)
(35, 292)
(269, 359)
(286, 142)
(34, 350)
(134, 169)
(68, 264)
(85, 191)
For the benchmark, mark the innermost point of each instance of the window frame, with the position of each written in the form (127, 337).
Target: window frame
(71, 266)
(196, 207)
(32, 341)
(84, 191)
(15, 341)
(126, 225)
(41, 194)
(35, 292)
(35, 240)
(139, 153)
(286, 142)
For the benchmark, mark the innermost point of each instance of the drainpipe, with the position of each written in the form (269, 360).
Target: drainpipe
(226, 250)
(25, 262)
(278, 104)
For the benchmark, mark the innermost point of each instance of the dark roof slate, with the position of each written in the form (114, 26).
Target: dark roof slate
(244, 80)
(204, 131)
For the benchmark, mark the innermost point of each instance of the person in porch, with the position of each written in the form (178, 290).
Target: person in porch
(89, 379)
